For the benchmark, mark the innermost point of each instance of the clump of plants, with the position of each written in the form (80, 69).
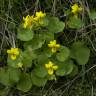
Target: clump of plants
(42, 58)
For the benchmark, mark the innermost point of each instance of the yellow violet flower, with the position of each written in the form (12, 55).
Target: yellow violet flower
(75, 9)
(31, 20)
(53, 46)
(28, 21)
(39, 16)
(13, 52)
(51, 68)
(49, 65)
(55, 67)
(20, 64)
(50, 71)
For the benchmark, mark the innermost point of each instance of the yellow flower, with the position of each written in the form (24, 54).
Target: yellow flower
(39, 17)
(49, 65)
(53, 46)
(28, 21)
(20, 64)
(13, 52)
(50, 71)
(40, 14)
(31, 20)
(55, 67)
(75, 9)
(51, 68)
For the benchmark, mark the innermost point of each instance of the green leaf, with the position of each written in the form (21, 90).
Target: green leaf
(25, 34)
(55, 25)
(28, 56)
(75, 23)
(35, 43)
(4, 77)
(80, 53)
(38, 81)
(92, 15)
(47, 52)
(40, 72)
(25, 83)
(65, 68)
(48, 36)
(9, 76)
(42, 59)
(74, 71)
(14, 74)
(44, 22)
(63, 54)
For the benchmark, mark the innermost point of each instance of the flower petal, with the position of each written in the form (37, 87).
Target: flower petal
(13, 57)
(50, 71)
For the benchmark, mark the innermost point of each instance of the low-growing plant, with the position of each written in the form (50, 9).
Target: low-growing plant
(42, 57)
